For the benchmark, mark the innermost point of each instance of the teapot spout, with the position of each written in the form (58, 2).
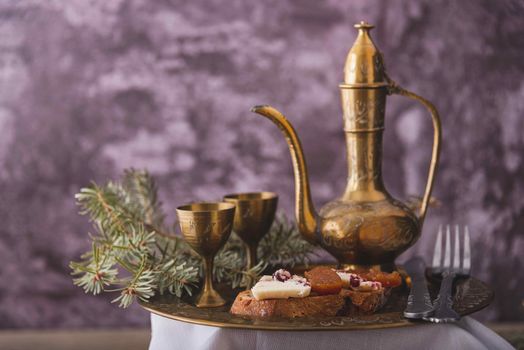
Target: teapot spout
(305, 213)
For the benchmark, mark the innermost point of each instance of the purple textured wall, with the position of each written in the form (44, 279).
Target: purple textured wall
(88, 88)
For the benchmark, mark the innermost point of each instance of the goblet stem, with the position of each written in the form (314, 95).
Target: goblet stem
(208, 274)
(209, 297)
(251, 252)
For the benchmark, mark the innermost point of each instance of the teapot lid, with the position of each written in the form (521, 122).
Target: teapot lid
(364, 65)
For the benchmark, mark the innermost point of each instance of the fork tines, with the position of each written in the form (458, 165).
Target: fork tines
(442, 262)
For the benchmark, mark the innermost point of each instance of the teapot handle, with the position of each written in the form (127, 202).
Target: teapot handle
(394, 88)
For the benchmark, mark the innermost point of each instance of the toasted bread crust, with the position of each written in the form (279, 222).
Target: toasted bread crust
(368, 302)
(322, 305)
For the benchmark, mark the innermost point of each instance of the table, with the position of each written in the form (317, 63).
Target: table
(467, 334)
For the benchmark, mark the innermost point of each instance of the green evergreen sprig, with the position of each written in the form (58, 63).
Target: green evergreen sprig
(135, 255)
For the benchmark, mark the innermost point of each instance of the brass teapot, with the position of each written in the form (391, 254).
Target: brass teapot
(366, 226)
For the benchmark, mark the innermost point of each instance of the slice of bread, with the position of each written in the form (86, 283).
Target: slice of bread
(313, 306)
(369, 301)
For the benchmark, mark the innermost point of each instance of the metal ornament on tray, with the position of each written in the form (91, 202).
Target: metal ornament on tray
(366, 226)
(206, 228)
(254, 215)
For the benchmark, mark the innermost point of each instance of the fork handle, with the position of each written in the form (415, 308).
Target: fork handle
(444, 303)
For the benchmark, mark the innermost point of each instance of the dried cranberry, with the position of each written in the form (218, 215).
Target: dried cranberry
(354, 281)
(281, 275)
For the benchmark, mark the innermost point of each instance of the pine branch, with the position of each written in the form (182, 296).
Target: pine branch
(141, 286)
(125, 217)
(95, 272)
(178, 278)
(143, 193)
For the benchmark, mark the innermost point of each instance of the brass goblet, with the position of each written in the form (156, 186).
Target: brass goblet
(253, 218)
(206, 227)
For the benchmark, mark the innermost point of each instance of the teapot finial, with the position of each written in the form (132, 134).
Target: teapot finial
(364, 64)
(363, 25)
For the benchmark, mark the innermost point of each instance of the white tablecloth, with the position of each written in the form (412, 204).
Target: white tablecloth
(169, 334)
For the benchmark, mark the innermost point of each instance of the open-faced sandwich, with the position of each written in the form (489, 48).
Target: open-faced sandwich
(322, 292)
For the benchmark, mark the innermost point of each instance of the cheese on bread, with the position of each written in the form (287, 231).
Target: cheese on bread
(278, 287)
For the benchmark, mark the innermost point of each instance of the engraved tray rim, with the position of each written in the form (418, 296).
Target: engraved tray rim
(472, 295)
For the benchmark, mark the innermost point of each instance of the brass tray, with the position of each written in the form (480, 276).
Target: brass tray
(471, 295)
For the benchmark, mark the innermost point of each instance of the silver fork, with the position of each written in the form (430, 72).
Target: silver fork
(461, 268)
